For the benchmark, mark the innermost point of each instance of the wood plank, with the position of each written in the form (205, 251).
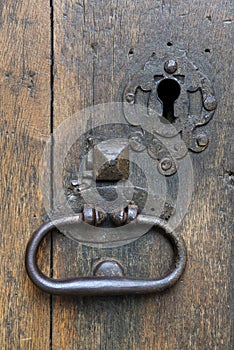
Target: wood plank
(24, 127)
(95, 45)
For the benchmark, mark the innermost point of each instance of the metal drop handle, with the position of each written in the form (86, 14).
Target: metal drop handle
(103, 285)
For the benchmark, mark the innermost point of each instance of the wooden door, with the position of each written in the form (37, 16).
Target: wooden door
(57, 58)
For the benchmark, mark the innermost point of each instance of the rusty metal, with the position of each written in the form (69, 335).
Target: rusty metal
(202, 140)
(108, 268)
(103, 285)
(111, 161)
(166, 86)
(191, 80)
(125, 215)
(137, 141)
(166, 164)
(93, 216)
(79, 182)
(170, 66)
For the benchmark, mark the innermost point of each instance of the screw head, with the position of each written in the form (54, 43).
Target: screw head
(170, 66)
(166, 164)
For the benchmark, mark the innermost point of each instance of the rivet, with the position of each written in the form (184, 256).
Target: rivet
(166, 164)
(170, 66)
(108, 268)
(130, 98)
(75, 182)
(136, 142)
(210, 103)
(202, 140)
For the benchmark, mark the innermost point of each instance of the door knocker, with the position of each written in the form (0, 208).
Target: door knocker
(110, 177)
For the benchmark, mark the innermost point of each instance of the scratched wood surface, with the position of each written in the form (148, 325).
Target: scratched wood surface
(94, 44)
(24, 125)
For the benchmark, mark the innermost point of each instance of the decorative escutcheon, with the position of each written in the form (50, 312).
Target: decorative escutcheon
(169, 87)
(119, 186)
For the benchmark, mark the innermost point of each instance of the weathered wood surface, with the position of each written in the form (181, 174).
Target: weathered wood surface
(24, 124)
(94, 44)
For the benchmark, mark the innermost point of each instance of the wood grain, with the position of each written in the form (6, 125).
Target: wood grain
(96, 44)
(24, 125)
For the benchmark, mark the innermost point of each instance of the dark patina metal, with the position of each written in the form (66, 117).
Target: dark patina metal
(176, 73)
(111, 161)
(170, 66)
(167, 84)
(108, 268)
(101, 284)
(116, 166)
(125, 215)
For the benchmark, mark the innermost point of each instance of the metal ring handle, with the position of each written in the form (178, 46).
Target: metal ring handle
(103, 285)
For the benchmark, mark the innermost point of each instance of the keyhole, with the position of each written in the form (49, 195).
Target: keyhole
(168, 92)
